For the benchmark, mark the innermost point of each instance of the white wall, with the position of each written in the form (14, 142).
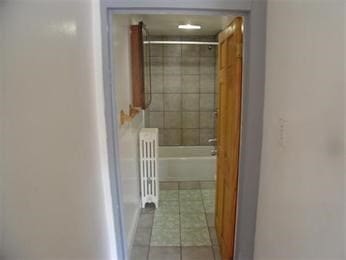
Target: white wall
(128, 133)
(2, 114)
(301, 197)
(56, 199)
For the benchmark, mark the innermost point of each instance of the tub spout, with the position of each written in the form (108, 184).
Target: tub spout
(212, 141)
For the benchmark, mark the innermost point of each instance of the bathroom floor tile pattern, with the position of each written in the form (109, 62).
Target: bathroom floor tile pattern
(182, 228)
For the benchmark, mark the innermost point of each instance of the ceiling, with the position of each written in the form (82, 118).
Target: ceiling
(162, 24)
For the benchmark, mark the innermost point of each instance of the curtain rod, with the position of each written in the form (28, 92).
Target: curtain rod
(181, 42)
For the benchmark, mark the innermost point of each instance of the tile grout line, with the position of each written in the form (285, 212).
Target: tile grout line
(205, 215)
(163, 57)
(180, 227)
(199, 98)
(181, 101)
(151, 232)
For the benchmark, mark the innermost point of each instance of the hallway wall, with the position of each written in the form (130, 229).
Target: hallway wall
(56, 201)
(302, 183)
(2, 114)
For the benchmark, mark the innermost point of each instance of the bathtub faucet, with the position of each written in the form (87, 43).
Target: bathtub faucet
(212, 141)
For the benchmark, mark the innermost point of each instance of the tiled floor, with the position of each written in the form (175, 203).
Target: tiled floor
(182, 228)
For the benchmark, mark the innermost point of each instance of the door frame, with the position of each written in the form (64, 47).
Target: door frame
(254, 13)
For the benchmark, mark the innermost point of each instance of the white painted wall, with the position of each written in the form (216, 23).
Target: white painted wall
(56, 199)
(2, 114)
(128, 133)
(301, 197)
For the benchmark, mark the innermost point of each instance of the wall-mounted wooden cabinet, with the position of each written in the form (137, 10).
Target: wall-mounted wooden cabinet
(140, 65)
(137, 66)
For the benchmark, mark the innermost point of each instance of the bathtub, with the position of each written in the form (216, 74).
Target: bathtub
(186, 163)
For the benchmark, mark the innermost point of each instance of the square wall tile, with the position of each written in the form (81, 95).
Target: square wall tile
(157, 65)
(172, 102)
(189, 185)
(205, 135)
(208, 185)
(172, 84)
(190, 84)
(156, 50)
(169, 185)
(190, 65)
(208, 50)
(207, 61)
(172, 136)
(172, 119)
(172, 65)
(190, 50)
(207, 65)
(156, 37)
(207, 120)
(161, 135)
(207, 83)
(216, 82)
(146, 118)
(156, 119)
(156, 83)
(156, 102)
(190, 102)
(216, 101)
(190, 119)
(208, 38)
(172, 50)
(207, 102)
(190, 136)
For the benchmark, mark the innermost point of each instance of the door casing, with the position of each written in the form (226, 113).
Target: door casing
(254, 13)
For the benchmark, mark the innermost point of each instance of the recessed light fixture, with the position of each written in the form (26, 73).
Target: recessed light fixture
(189, 26)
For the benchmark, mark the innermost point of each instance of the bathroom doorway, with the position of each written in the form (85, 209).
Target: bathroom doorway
(180, 62)
(249, 165)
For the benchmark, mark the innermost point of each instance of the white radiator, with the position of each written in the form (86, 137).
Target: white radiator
(148, 146)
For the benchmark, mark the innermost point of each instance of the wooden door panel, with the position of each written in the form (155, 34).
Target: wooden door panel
(228, 134)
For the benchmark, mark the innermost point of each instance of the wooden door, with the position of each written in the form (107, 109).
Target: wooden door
(228, 134)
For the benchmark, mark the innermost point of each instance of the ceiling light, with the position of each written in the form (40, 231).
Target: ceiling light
(189, 26)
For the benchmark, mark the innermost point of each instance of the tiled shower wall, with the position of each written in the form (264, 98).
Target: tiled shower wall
(183, 92)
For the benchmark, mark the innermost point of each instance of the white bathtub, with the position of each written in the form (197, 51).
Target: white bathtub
(186, 163)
